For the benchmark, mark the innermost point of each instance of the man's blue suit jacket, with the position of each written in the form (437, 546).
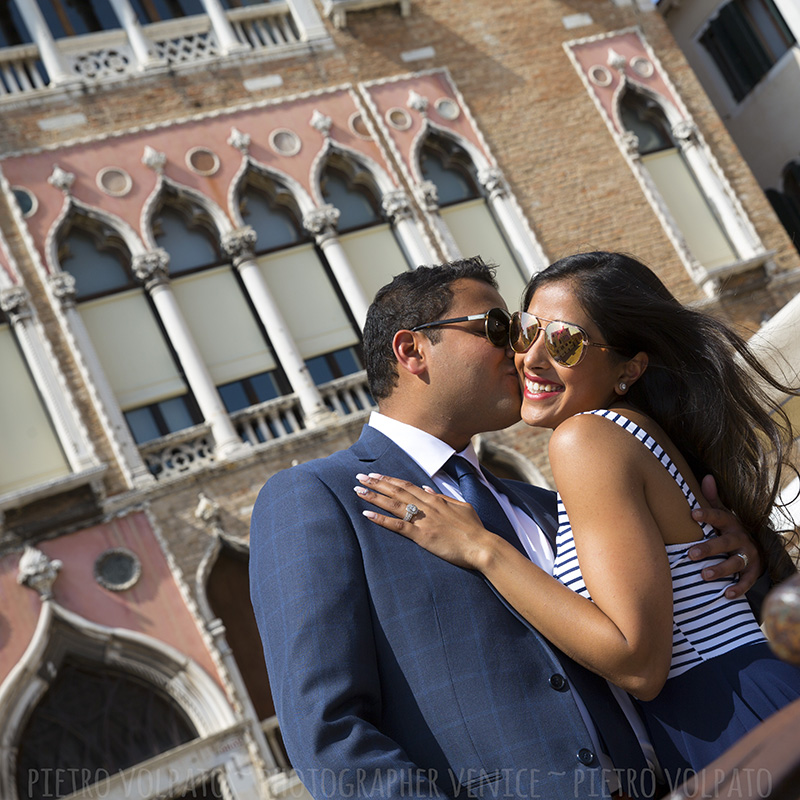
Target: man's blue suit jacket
(395, 673)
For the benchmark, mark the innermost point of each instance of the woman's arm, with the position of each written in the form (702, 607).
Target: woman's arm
(625, 635)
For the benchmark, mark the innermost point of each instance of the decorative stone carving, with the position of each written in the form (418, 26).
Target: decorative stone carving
(630, 141)
(321, 123)
(239, 140)
(61, 179)
(616, 61)
(684, 131)
(239, 244)
(492, 180)
(397, 205)
(151, 268)
(38, 572)
(429, 195)
(321, 219)
(15, 302)
(63, 287)
(418, 102)
(153, 159)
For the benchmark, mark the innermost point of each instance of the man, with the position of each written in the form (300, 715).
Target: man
(395, 673)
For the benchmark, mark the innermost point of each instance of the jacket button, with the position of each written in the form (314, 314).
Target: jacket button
(558, 682)
(585, 756)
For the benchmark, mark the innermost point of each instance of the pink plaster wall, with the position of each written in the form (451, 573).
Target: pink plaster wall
(153, 606)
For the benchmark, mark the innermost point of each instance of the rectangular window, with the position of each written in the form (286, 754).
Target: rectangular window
(374, 255)
(30, 449)
(745, 39)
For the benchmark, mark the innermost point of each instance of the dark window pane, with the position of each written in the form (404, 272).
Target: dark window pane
(319, 369)
(347, 361)
(12, 28)
(155, 10)
(647, 120)
(273, 225)
(96, 271)
(176, 414)
(142, 424)
(265, 386)
(448, 166)
(189, 247)
(77, 17)
(355, 208)
(234, 396)
(93, 722)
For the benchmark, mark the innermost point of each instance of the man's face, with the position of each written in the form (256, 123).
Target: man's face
(474, 384)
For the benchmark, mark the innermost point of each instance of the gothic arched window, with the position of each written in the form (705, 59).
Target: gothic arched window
(137, 361)
(465, 212)
(675, 181)
(91, 723)
(227, 333)
(297, 278)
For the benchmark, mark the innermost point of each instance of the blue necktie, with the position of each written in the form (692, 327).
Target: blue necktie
(481, 498)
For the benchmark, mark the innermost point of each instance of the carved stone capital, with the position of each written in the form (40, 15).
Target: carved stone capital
(61, 179)
(15, 302)
(418, 102)
(321, 220)
(397, 205)
(38, 572)
(428, 195)
(239, 245)
(492, 179)
(239, 140)
(321, 123)
(153, 159)
(151, 268)
(616, 60)
(63, 287)
(684, 131)
(630, 142)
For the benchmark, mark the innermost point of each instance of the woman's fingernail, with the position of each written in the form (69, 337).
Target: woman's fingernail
(428, 490)
(370, 514)
(362, 477)
(360, 490)
(375, 475)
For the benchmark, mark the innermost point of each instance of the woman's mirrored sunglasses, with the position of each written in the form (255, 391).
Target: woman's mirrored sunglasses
(565, 342)
(496, 322)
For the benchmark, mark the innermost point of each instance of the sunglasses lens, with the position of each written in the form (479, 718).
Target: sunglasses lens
(497, 327)
(565, 343)
(523, 331)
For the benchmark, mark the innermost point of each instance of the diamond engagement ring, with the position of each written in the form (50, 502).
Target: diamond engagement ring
(744, 558)
(412, 511)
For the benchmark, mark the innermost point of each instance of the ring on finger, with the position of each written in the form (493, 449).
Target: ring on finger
(411, 512)
(744, 558)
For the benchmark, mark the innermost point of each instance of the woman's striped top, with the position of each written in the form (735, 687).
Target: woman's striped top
(705, 622)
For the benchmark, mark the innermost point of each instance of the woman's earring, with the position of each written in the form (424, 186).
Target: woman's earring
(623, 387)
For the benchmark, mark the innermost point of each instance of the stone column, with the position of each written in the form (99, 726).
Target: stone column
(397, 206)
(321, 222)
(142, 47)
(239, 245)
(151, 269)
(226, 38)
(48, 51)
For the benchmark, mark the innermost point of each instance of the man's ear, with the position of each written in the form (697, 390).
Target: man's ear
(409, 350)
(631, 371)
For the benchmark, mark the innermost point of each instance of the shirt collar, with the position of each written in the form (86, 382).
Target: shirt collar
(428, 451)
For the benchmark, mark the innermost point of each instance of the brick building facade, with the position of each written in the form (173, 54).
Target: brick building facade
(196, 210)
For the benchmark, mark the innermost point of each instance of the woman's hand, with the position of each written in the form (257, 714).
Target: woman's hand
(444, 526)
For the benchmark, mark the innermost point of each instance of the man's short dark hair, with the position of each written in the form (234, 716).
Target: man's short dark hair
(412, 298)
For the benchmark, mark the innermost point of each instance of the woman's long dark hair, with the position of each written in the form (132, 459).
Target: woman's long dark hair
(699, 386)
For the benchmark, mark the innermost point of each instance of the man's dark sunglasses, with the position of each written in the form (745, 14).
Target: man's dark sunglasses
(496, 325)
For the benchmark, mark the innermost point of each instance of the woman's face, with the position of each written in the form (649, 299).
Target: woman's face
(552, 392)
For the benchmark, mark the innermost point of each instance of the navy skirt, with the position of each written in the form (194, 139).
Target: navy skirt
(701, 713)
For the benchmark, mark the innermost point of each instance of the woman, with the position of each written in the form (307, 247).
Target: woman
(642, 395)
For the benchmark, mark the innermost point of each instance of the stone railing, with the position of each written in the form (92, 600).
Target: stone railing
(348, 395)
(185, 451)
(21, 71)
(108, 55)
(192, 449)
